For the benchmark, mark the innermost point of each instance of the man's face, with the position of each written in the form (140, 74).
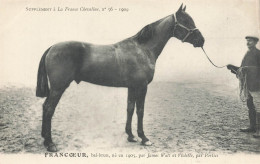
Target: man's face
(251, 43)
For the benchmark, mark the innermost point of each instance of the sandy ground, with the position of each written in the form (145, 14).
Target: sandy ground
(179, 117)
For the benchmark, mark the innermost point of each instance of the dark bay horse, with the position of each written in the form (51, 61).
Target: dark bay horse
(129, 63)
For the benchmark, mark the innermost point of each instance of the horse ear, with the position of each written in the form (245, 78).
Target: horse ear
(184, 8)
(180, 9)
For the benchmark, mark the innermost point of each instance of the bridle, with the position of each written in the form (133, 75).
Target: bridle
(190, 31)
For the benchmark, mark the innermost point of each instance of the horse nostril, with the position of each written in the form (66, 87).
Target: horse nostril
(199, 42)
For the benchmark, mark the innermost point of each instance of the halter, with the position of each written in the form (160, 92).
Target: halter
(190, 31)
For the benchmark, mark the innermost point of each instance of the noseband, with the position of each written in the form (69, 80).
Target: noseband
(190, 31)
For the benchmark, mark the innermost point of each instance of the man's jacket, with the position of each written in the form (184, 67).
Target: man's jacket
(251, 65)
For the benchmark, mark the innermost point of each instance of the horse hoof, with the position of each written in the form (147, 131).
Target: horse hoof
(147, 143)
(132, 139)
(52, 148)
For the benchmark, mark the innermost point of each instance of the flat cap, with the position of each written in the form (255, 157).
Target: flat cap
(252, 37)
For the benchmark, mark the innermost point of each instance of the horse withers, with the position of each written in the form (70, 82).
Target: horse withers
(129, 63)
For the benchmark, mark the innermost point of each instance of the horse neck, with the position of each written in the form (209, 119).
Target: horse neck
(162, 32)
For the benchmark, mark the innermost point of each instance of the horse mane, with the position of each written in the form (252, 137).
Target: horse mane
(145, 34)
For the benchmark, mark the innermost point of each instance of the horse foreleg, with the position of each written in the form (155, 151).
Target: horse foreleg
(48, 111)
(140, 99)
(130, 111)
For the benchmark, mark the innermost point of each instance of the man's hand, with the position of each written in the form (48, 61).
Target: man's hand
(232, 68)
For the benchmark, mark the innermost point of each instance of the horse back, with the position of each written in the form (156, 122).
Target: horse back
(117, 65)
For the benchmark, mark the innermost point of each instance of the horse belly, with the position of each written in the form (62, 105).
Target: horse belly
(103, 77)
(102, 71)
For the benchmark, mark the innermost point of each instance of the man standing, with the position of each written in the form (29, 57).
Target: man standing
(249, 75)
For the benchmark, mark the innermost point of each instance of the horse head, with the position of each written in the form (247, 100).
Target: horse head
(185, 29)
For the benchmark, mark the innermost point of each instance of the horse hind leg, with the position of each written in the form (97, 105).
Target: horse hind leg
(48, 111)
(43, 117)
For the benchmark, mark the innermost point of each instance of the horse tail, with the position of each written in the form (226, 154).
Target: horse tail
(42, 89)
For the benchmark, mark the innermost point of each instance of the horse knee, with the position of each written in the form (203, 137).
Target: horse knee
(130, 111)
(140, 113)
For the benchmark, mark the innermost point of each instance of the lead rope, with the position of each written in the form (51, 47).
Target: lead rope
(211, 61)
(242, 80)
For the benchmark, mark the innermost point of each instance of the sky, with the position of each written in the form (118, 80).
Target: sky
(25, 35)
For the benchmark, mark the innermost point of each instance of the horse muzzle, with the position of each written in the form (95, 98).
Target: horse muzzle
(199, 42)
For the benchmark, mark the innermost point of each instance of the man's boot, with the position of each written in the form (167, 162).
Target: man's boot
(252, 116)
(257, 133)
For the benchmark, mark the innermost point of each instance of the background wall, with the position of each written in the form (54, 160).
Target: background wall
(24, 36)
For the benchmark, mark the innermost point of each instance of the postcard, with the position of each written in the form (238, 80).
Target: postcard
(110, 81)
